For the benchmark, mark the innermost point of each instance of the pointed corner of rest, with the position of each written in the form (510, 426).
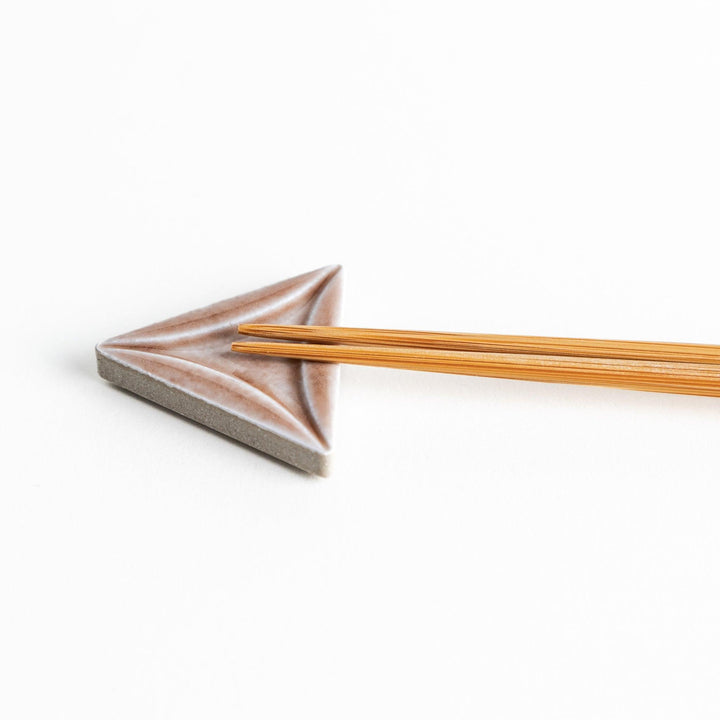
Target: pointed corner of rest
(330, 270)
(332, 275)
(102, 348)
(106, 347)
(111, 350)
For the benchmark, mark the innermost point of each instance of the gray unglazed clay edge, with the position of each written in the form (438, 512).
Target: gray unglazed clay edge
(212, 416)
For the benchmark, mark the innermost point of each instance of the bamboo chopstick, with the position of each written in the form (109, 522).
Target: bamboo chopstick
(574, 347)
(650, 375)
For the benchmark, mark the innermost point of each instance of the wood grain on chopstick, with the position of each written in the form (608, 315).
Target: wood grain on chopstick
(573, 347)
(668, 377)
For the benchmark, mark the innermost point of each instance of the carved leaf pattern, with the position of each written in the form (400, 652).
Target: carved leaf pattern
(191, 352)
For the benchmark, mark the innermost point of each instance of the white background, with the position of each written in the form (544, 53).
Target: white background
(484, 548)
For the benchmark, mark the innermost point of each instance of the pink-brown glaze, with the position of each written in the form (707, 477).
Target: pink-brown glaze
(191, 352)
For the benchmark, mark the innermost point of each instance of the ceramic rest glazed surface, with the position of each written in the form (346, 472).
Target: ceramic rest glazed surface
(281, 407)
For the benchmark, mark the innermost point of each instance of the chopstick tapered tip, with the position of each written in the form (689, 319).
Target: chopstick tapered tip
(246, 328)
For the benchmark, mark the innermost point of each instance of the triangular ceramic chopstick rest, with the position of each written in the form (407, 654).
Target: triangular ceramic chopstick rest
(280, 407)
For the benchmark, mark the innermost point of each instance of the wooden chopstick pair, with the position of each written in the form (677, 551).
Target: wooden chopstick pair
(659, 367)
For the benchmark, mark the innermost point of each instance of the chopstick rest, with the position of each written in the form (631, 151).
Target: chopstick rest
(284, 409)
